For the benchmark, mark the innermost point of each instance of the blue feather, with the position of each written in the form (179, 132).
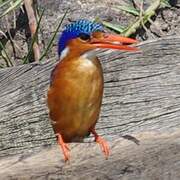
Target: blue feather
(73, 30)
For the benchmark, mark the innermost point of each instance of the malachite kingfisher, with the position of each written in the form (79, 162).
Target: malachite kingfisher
(76, 86)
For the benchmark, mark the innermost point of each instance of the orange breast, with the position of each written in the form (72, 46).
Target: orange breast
(74, 97)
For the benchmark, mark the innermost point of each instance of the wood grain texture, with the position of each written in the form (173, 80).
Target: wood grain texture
(142, 93)
(156, 158)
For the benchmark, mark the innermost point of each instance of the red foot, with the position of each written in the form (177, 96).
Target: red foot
(64, 147)
(103, 144)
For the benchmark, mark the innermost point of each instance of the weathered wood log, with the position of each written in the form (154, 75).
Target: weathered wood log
(142, 93)
(157, 158)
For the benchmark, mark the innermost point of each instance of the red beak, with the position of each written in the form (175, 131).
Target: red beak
(111, 41)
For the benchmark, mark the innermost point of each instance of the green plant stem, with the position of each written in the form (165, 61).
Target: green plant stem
(53, 37)
(33, 38)
(7, 58)
(114, 27)
(32, 19)
(14, 5)
(147, 15)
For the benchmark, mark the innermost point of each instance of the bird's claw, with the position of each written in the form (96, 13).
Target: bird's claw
(64, 147)
(104, 145)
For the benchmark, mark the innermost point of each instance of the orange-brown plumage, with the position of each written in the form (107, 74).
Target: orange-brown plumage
(75, 96)
(76, 89)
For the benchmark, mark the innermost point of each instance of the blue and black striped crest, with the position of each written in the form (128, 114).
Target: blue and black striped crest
(74, 29)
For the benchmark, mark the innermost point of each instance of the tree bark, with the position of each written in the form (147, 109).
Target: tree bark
(141, 98)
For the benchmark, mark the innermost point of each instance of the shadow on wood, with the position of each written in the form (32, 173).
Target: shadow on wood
(158, 157)
(142, 94)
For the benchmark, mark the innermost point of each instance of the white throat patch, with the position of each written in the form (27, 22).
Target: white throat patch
(64, 53)
(89, 54)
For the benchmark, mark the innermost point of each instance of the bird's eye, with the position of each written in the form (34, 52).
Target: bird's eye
(84, 37)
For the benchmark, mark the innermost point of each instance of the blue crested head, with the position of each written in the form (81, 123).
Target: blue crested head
(74, 29)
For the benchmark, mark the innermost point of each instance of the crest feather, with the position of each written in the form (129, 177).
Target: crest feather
(74, 29)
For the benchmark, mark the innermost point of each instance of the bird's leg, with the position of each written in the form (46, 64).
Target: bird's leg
(103, 144)
(64, 147)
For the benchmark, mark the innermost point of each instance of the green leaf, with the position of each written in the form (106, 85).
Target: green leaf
(1, 66)
(114, 27)
(4, 3)
(1, 32)
(165, 3)
(5, 56)
(130, 10)
(13, 6)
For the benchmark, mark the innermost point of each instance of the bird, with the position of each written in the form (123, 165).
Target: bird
(75, 92)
